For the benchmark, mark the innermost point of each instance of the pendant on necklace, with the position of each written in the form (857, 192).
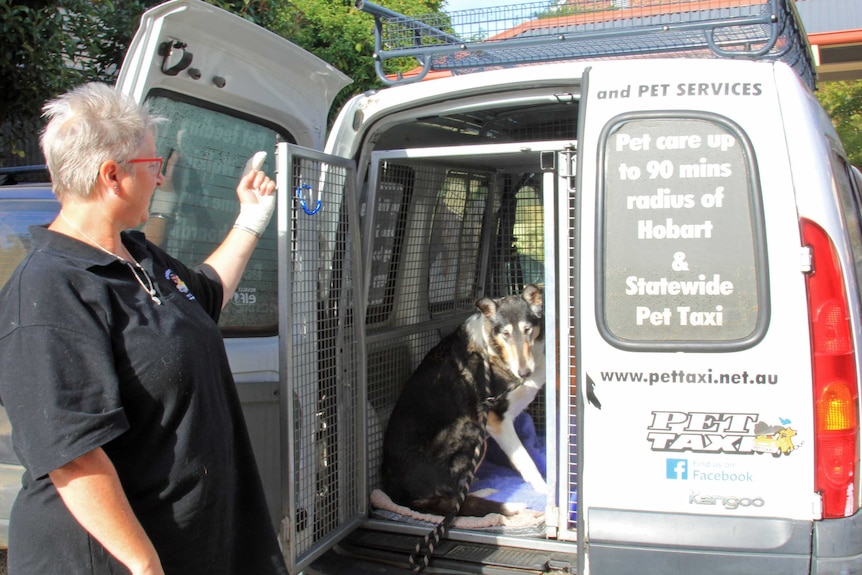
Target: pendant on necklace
(148, 287)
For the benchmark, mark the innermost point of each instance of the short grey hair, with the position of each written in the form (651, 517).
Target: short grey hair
(86, 127)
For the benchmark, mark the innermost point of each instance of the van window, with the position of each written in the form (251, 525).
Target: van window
(850, 195)
(681, 247)
(16, 217)
(456, 234)
(394, 193)
(205, 151)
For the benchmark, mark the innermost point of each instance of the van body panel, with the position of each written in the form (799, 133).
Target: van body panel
(715, 427)
(827, 196)
(232, 63)
(370, 111)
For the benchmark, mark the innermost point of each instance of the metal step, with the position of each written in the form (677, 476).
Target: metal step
(394, 549)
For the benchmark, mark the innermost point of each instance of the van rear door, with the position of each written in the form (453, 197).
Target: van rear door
(229, 88)
(694, 361)
(196, 50)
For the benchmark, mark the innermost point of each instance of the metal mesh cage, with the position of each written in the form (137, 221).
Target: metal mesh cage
(570, 448)
(440, 238)
(558, 30)
(323, 358)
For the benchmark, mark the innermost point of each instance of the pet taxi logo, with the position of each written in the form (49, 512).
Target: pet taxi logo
(705, 432)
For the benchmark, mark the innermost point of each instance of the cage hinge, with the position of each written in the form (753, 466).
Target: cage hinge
(568, 165)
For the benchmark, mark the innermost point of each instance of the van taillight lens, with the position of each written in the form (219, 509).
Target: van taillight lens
(835, 387)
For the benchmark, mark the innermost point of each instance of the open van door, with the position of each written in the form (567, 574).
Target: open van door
(197, 51)
(228, 89)
(683, 361)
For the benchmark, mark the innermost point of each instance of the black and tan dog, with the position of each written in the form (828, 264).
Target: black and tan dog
(436, 424)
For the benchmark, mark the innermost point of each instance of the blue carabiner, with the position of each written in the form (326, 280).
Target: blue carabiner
(302, 200)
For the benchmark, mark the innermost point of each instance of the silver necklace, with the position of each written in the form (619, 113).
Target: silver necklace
(137, 269)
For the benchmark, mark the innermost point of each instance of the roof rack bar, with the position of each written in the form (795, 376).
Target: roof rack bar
(544, 31)
(419, 30)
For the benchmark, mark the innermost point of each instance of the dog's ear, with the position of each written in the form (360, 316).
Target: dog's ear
(487, 306)
(532, 294)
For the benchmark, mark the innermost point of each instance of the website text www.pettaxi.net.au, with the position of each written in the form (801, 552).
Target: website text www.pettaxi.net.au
(690, 377)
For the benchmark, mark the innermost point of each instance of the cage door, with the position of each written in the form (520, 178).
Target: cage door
(321, 353)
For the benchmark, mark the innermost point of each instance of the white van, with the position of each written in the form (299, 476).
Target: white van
(694, 224)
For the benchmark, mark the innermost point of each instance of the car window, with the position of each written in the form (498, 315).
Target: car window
(528, 241)
(205, 150)
(455, 239)
(16, 216)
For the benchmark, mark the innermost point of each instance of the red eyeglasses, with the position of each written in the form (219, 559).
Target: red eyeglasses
(153, 161)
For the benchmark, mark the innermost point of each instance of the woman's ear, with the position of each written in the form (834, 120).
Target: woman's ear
(109, 176)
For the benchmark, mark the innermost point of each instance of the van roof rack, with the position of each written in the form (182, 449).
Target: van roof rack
(465, 41)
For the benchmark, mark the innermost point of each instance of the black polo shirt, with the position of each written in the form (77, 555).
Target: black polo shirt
(89, 360)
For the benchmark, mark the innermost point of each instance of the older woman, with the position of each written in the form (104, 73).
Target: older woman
(115, 376)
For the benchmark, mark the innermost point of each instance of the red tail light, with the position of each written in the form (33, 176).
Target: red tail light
(835, 386)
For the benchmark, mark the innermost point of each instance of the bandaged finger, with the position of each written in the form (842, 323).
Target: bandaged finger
(254, 218)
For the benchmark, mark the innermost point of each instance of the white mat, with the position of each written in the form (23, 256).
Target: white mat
(522, 518)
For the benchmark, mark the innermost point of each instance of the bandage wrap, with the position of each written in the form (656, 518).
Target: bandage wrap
(254, 218)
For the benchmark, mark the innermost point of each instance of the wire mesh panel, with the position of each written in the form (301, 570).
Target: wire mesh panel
(456, 236)
(424, 258)
(425, 231)
(557, 30)
(568, 391)
(322, 360)
(440, 236)
(426, 227)
(391, 360)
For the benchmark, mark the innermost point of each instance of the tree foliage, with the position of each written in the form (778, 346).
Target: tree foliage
(47, 48)
(843, 102)
(334, 31)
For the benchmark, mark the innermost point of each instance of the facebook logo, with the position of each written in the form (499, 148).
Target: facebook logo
(677, 469)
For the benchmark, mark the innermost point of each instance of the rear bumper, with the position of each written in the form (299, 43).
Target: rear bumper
(623, 542)
(837, 546)
(644, 543)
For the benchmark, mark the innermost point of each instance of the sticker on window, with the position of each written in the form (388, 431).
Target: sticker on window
(680, 229)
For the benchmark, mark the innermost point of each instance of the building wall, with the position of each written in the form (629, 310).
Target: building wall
(830, 15)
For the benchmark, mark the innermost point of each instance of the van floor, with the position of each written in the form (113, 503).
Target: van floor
(370, 552)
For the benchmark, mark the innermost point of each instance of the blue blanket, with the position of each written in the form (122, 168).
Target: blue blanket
(496, 472)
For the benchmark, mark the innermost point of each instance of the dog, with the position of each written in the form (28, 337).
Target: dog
(430, 440)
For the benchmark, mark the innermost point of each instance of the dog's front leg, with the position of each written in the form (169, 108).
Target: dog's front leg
(503, 432)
